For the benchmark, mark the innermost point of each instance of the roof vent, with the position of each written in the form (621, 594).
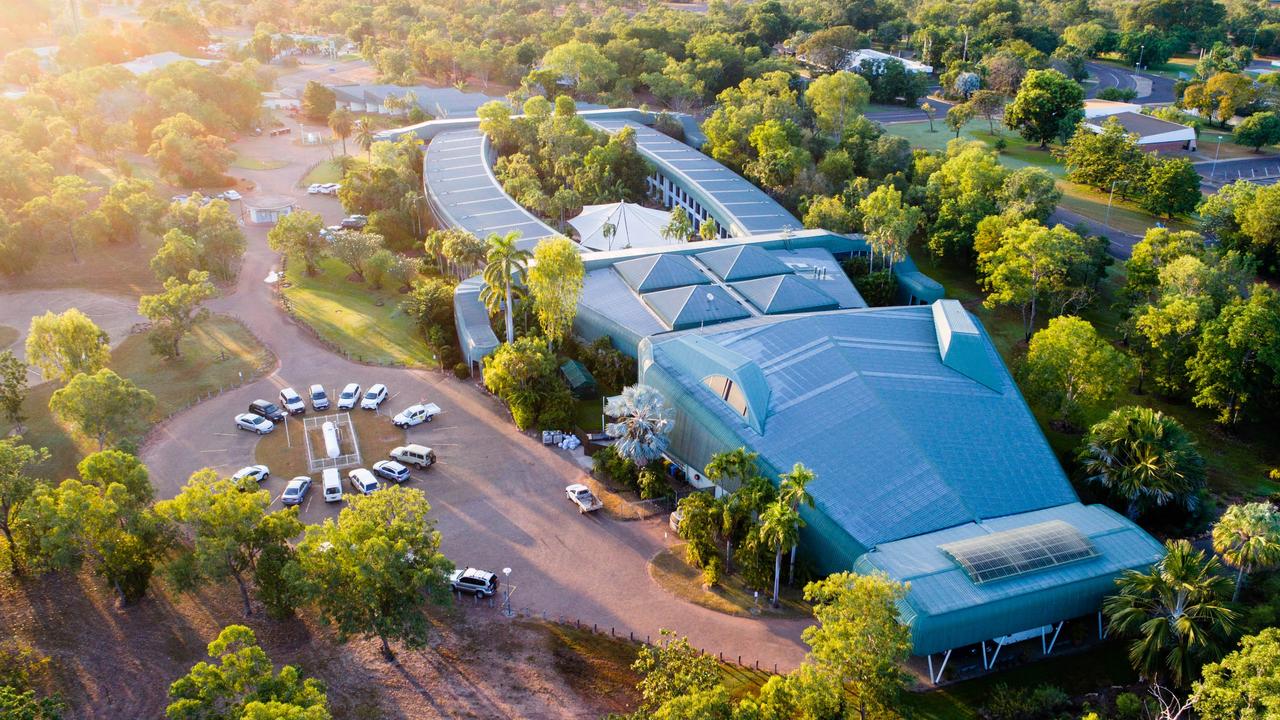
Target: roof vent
(962, 346)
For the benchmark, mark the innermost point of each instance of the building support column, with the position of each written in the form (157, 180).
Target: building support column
(936, 678)
(1054, 639)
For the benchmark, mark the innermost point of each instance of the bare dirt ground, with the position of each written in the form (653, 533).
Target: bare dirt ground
(118, 663)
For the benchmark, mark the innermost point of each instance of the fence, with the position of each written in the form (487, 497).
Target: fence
(744, 668)
(342, 424)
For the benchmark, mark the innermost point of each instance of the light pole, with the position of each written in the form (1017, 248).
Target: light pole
(1137, 67)
(1110, 197)
(506, 595)
(1214, 168)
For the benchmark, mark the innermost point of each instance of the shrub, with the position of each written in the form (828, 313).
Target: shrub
(713, 570)
(609, 464)
(1001, 145)
(1128, 706)
(1014, 703)
(462, 371)
(651, 483)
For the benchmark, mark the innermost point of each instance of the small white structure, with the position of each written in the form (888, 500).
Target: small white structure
(620, 226)
(266, 209)
(148, 63)
(855, 58)
(1094, 109)
(1152, 132)
(331, 447)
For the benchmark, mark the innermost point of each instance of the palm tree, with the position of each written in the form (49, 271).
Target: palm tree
(1248, 537)
(504, 270)
(680, 226)
(1145, 457)
(363, 129)
(779, 529)
(1175, 612)
(340, 124)
(793, 491)
(748, 493)
(642, 423)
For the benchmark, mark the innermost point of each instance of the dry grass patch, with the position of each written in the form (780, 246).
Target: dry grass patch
(123, 269)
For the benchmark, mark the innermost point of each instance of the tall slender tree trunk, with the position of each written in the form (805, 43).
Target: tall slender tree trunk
(511, 327)
(1235, 596)
(244, 593)
(791, 572)
(777, 574)
(13, 549)
(386, 647)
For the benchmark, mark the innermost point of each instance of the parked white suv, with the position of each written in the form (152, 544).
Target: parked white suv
(374, 397)
(363, 481)
(419, 456)
(349, 396)
(319, 398)
(292, 402)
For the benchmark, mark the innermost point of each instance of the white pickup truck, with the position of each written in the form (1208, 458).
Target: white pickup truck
(416, 415)
(582, 496)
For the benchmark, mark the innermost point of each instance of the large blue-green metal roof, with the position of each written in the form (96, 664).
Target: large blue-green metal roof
(901, 443)
(475, 334)
(946, 609)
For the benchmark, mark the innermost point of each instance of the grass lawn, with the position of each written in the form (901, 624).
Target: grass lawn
(1238, 463)
(325, 171)
(367, 324)
(586, 414)
(285, 452)
(244, 162)
(669, 569)
(219, 353)
(1126, 216)
(111, 269)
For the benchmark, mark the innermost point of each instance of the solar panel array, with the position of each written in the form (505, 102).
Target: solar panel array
(1019, 551)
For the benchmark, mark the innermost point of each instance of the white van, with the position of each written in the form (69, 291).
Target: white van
(332, 484)
(419, 456)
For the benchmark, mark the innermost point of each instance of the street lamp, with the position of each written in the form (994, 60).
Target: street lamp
(1137, 67)
(1110, 197)
(506, 596)
(1218, 149)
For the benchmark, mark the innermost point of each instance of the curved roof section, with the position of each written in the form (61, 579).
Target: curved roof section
(783, 294)
(694, 306)
(743, 262)
(735, 203)
(908, 445)
(712, 359)
(660, 272)
(464, 193)
(475, 334)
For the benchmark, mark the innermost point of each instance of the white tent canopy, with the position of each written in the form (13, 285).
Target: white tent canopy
(619, 226)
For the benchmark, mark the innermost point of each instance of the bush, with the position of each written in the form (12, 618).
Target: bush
(1014, 703)
(713, 570)
(462, 371)
(1128, 706)
(879, 288)
(1001, 145)
(609, 464)
(612, 369)
(651, 483)
(1118, 94)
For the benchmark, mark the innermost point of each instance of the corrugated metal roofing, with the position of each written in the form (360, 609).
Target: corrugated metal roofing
(743, 262)
(660, 272)
(901, 443)
(736, 204)
(946, 609)
(475, 334)
(464, 193)
(783, 294)
(962, 346)
(694, 306)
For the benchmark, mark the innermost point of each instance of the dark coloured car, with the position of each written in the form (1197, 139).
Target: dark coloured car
(266, 409)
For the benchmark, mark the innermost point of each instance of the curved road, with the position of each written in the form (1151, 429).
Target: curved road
(1151, 89)
(497, 495)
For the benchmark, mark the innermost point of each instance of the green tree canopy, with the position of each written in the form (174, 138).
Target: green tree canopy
(176, 311)
(241, 684)
(1070, 367)
(377, 567)
(835, 99)
(1245, 684)
(1048, 106)
(1030, 265)
(1247, 537)
(1144, 457)
(104, 406)
(66, 344)
(1238, 359)
(297, 235)
(555, 282)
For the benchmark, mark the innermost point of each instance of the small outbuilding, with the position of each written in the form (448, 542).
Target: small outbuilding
(1152, 133)
(581, 383)
(266, 209)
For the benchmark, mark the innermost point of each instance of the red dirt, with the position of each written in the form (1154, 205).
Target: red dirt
(117, 663)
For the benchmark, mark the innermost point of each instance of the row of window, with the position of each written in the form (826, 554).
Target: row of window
(672, 194)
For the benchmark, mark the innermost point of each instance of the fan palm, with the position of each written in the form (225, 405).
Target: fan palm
(362, 128)
(504, 274)
(779, 529)
(642, 423)
(794, 492)
(1175, 612)
(341, 123)
(1248, 537)
(1145, 457)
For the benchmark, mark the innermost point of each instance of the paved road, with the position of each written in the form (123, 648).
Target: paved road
(1121, 245)
(895, 115)
(497, 495)
(1108, 76)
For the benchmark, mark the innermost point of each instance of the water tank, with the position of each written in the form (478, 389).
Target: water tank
(331, 439)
